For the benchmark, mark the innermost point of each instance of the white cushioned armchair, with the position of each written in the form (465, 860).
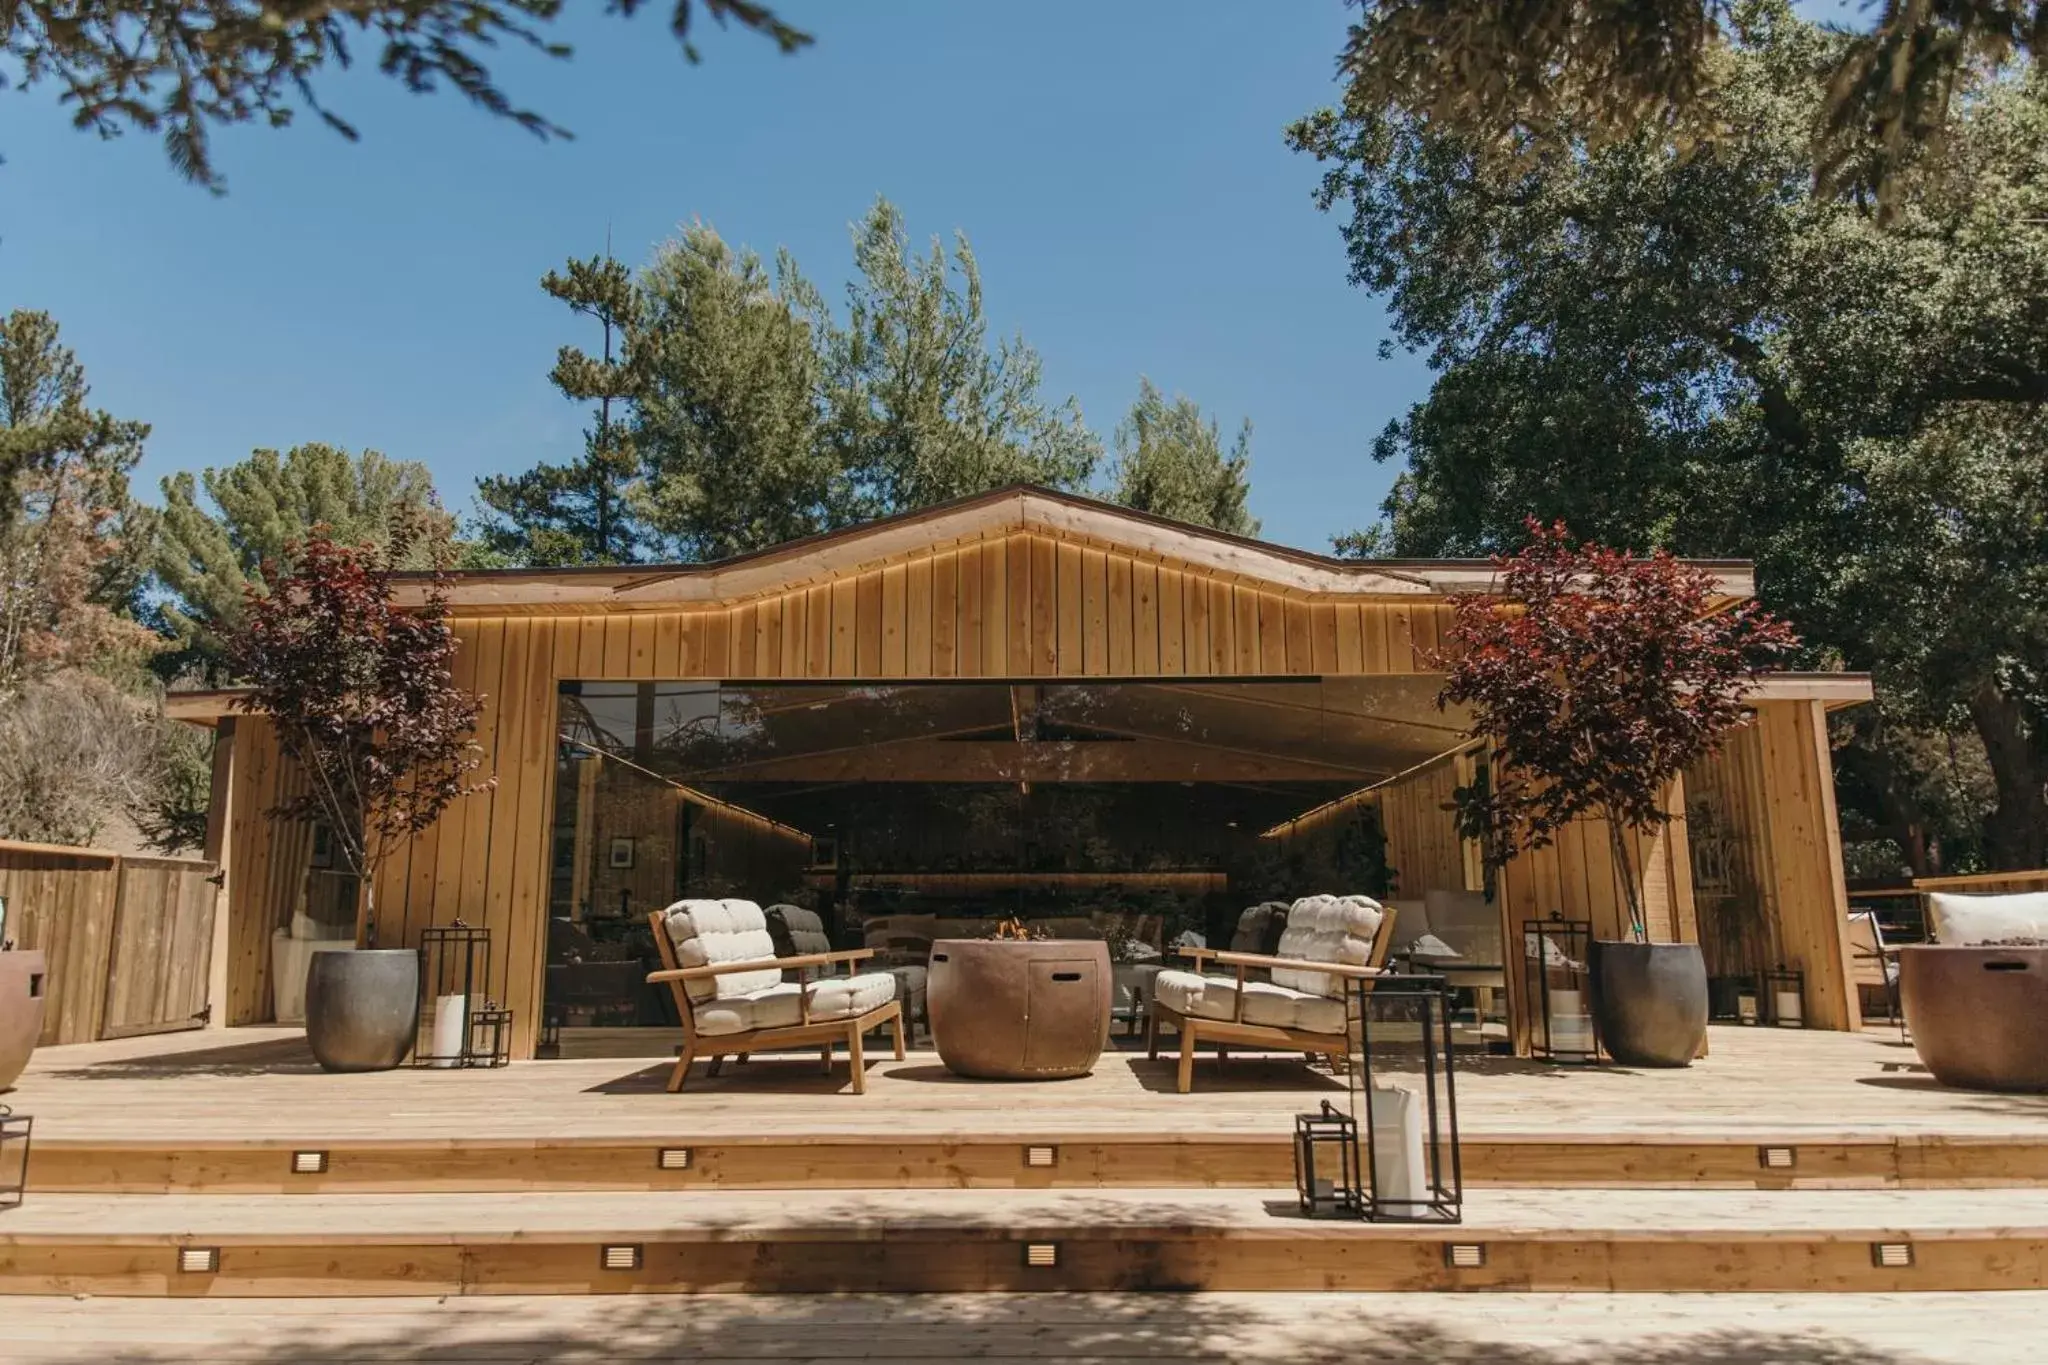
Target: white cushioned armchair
(1329, 942)
(719, 960)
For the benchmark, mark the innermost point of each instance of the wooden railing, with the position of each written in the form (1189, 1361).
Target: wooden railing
(128, 938)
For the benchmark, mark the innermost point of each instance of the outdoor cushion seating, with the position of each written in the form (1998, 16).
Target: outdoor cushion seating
(719, 960)
(1329, 942)
(1962, 921)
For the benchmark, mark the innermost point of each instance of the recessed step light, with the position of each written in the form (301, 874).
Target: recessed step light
(1777, 1158)
(674, 1159)
(1041, 1156)
(1465, 1255)
(621, 1257)
(309, 1163)
(1892, 1255)
(1041, 1255)
(198, 1260)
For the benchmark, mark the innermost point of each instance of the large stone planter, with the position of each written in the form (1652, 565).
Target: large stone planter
(363, 1008)
(1979, 1016)
(1019, 1009)
(1650, 1002)
(24, 985)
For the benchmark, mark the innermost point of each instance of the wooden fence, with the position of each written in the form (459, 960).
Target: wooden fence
(128, 939)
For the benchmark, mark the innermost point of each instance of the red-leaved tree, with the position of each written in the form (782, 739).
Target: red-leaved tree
(1599, 677)
(362, 698)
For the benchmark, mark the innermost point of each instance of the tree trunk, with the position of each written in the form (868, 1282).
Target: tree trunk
(2016, 833)
(1625, 874)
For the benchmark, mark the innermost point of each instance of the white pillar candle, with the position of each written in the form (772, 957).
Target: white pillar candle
(1745, 1008)
(1570, 1029)
(451, 1015)
(1789, 1008)
(1399, 1170)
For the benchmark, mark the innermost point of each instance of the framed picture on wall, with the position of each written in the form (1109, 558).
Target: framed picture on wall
(621, 851)
(824, 853)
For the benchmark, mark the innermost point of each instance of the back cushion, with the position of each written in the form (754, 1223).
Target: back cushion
(1259, 929)
(797, 931)
(1963, 920)
(706, 933)
(1327, 929)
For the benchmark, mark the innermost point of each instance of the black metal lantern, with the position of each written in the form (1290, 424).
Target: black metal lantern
(1404, 1099)
(1326, 1163)
(455, 971)
(1784, 997)
(490, 1036)
(1555, 957)
(14, 1134)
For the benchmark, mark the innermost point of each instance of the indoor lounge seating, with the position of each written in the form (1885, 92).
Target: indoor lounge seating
(1329, 942)
(719, 959)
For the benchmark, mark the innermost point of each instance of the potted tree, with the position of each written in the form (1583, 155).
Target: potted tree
(1597, 677)
(364, 701)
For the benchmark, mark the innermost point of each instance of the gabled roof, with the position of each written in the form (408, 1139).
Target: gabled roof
(1018, 508)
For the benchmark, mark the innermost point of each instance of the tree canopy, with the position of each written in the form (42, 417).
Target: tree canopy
(1681, 345)
(1170, 461)
(1512, 81)
(184, 68)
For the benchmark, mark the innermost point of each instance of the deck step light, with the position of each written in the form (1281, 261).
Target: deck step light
(674, 1159)
(1777, 1158)
(198, 1260)
(1041, 1156)
(309, 1163)
(1041, 1255)
(1465, 1255)
(622, 1257)
(1892, 1255)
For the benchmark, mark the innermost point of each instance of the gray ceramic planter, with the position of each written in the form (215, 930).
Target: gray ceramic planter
(1650, 1002)
(363, 1008)
(1979, 1016)
(24, 986)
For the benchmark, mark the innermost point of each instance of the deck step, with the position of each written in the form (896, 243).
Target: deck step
(997, 1160)
(959, 1240)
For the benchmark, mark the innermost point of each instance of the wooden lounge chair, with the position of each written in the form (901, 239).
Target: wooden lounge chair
(1873, 963)
(719, 960)
(1330, 941)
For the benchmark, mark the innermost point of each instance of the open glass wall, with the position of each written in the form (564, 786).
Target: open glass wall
(911, 811)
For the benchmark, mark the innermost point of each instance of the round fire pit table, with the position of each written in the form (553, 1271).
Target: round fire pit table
(1019, 1009)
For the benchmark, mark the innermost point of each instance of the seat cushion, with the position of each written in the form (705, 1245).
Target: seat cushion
(1279, 1007)
(708, 933)
(1200, 997)
(797, 932)
(1961, 920)
(842, 997)
(776, 1006)
(1338, 929)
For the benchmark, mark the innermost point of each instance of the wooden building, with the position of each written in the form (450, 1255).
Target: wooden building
(750, 727)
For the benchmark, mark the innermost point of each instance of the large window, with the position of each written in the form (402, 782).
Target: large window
(1138, 810)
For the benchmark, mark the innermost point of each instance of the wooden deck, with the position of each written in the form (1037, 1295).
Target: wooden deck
(1191, 1329)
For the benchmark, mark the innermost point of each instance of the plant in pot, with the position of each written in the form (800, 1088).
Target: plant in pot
(22, 978)
(363, 700)
(1597, 677)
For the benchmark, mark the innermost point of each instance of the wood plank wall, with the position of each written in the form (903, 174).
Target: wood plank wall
(1010, 604)
(125, 938)
(1423, 846)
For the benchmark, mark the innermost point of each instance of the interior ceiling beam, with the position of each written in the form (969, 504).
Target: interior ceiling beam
(1000, 761)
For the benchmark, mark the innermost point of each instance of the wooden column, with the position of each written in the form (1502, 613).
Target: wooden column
(220, 814)
(1804, 858)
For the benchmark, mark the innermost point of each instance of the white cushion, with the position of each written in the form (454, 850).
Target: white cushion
(842, 997)
(1962, 920)
(1279, 1007)
(1336, 929)
(1200, 997)
(708, 933)
(776, 1006)
(806, 930)
(1430, 946)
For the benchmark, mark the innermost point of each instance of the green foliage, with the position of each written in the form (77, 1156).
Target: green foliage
(1520, 82)
(186, 68)
(210, 554)
(1170, 462)
(731, 422)
(69, 534)
(918, 407)
(1688, 346)
(581, 513)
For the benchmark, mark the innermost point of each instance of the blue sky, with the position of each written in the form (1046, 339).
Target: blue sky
(1119, 169)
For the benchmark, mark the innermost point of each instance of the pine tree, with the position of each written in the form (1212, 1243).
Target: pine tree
(919, 408)
(1170, 462)
(261, 508)
(582, 512)
(729, 425)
